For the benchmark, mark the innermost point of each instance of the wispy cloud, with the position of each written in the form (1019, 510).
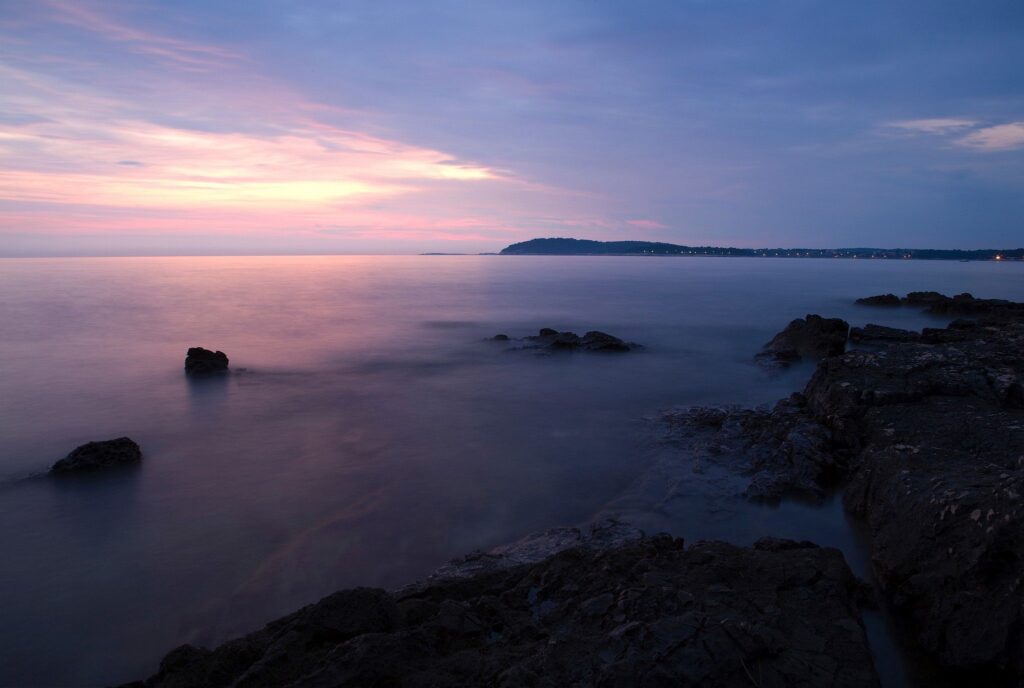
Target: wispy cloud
(1000, 137)
(303, 168)
(186, 54)
(937, 125)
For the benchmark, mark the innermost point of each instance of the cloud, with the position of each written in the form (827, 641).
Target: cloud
(995, 138)
(938, 125)
(305, 167)
(184, 54)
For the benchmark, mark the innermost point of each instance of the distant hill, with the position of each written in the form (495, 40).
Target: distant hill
(586, 247)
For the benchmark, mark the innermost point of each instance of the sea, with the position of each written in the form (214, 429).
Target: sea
(370, 430)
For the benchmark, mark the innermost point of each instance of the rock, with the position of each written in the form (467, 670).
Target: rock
(924, 298)
(200, 361)
(94, 456)
(564, 340)
(938, 431)
(965, 304)
(929, 437)
(993, 310)
(549, 340)
(642, 613)
(599, 341)
(880, 300)
(782, 451)
(500, 338)
(880, 333)
(811, 337)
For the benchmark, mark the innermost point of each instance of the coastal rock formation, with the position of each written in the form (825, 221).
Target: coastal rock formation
(548, 339)
(929, 436)
(880, 300)
(94, 456)
(645, 613)
(938, 477)
(811, 337)
(200, 361)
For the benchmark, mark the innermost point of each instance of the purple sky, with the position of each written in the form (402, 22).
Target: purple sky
(362, 127)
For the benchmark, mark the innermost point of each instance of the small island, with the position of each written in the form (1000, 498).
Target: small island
(587, 247)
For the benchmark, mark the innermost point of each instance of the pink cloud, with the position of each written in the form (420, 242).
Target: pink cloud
(89, 152)
(995, 138)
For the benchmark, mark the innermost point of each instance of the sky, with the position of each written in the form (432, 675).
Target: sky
(290, 126)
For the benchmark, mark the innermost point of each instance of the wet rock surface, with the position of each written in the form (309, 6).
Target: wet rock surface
(200, 361)
(648, 612)
(782, 450)
(97, 456)
(811, 337)
(929, 437)
(549, 340)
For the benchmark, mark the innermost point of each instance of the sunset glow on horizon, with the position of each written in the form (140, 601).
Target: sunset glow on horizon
(143, 127)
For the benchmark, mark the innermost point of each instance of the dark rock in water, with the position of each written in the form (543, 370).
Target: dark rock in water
(880, 333)
(200, 361)
(964, 304)
(599, 341)
(500, 338)
(880, 300)
(549, 340)
(564, 340)
(924, 298)
(811, 337)
(645, 613)
(94, 456)
(995, 310)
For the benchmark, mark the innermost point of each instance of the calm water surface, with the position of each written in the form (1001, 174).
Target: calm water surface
(369, 432)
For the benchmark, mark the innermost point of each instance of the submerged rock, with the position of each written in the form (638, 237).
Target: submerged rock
(94, 456)
(811, 337)
(644, 613)
(200, 361)
(880, 300)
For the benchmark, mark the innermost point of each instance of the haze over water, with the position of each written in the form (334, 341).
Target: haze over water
(368, 432)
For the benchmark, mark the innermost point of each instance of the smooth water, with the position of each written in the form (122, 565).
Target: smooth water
(369, 432)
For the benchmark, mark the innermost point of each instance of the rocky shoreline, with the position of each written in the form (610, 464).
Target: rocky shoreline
(924, 432)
